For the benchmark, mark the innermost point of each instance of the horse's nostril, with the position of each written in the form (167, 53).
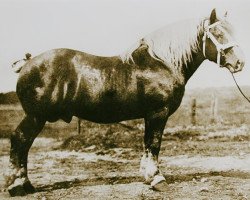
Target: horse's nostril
(240, 63)
(238, 67)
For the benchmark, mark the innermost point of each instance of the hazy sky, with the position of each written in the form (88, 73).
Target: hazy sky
(108, 27)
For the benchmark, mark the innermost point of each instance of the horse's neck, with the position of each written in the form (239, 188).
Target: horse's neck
(197, 58)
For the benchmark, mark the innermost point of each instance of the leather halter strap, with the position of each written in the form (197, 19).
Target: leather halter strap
(219, 47)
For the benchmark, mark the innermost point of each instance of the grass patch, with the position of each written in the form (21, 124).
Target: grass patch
(113, 136)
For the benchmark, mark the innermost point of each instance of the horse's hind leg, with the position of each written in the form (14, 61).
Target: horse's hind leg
(21, 139)
(154, 127)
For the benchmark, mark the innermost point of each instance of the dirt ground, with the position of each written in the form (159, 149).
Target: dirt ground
(213, 165)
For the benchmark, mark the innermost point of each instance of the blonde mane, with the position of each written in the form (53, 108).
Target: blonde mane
(172, 44)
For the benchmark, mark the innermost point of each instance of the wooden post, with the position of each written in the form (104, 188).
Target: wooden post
(78, 126)
(193, 112)
(214, 110)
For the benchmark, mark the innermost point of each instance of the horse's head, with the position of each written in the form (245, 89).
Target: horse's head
(219, 45)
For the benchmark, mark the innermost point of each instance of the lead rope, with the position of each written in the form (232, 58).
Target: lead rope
(219, 47)
(240, 89)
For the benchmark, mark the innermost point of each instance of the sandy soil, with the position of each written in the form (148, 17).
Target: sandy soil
(211, 166)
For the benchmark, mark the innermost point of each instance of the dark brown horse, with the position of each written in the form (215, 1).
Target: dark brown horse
(148, 81)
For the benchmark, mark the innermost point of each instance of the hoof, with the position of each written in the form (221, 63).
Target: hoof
(16, 190)
(161, 186)
(159, 183)
(20, 188)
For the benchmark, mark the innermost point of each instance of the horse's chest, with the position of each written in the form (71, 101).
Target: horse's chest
(162, 89)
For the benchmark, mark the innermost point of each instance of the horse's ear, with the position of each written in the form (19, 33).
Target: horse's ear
(213, 16)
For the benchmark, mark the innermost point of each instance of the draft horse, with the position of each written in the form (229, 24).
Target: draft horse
(147, 81)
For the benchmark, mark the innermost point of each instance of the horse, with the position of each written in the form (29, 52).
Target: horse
(147, 81)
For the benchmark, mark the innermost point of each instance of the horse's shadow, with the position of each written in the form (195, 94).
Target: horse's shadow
(88, 182)
(130, 179)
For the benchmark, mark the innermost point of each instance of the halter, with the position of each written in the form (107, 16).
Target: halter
(219, 47)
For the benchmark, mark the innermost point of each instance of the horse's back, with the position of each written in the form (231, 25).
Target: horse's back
(62, 83)
(56, 83)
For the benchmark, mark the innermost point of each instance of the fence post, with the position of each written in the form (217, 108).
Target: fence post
(214, 109)
(193, 112)
(78, 126)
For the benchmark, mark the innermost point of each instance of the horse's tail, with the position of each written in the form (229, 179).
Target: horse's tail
(17, 66)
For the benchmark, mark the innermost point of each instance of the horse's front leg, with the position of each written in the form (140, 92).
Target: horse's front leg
(16, 176)
(154, 127)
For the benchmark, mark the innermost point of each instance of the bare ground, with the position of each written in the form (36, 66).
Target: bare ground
(213, 165)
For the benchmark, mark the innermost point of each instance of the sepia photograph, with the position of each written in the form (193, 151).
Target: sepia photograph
(124, 99)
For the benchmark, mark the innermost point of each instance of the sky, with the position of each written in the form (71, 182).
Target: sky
(109, 27)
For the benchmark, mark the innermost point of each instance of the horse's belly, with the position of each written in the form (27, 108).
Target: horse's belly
(109, 109)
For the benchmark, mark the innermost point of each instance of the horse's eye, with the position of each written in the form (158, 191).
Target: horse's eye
(220, 35)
